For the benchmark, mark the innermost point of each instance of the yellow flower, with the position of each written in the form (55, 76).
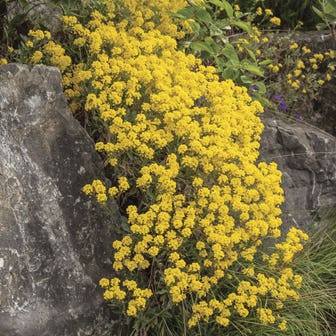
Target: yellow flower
(37, 56)
(283, 325)
(29, 44)
(88, 189)
(268, 11)
(131, 310)
(276, 21)
(293, 46)
(305, 50)
(113, 191)
(297, 73)
(104, 283)
(123, 184)
(36, 34)
(300, 65)
(108, 295)
(266, 316)
(101, 198)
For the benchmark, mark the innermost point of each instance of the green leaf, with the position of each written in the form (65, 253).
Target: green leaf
(330, 6)
(215, 31)
(212, 44)
(184, 45)
(331, 17)
(264, 101)
(225, 5)
(244, 26)
(185, 13)
(124, 224)
(220, 63)
(195, 26)
(262, 87)
(265, 62)
(246, 79)
(224, 25)
(321, 26)
(224, 39)
(230, 53)
(332, 3)
(201, 46)
(253, 69)
(230, 73)
(318, 12)
(251, 53)
(203, 15)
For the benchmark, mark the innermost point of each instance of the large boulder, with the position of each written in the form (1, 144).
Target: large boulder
(54, 243)
(306, 155)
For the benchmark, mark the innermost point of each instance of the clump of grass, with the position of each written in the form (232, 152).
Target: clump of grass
(315, 312)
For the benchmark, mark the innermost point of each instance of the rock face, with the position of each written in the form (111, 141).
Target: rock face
(306, 156)
(45, 12)
(54, 243)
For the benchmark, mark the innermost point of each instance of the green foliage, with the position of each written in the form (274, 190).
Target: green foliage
(289, 11)
(11, 29)
(216, 25)
(316, 311)
(292, 11)
(327, 12)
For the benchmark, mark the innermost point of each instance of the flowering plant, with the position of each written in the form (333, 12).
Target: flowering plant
(204, 207)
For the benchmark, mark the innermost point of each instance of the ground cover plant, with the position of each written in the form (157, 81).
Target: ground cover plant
(201, 250)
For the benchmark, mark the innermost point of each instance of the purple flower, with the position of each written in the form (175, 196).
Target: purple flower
(282, 105)
(298, 116)
(281, 102)
(277, 96)
(255, 87)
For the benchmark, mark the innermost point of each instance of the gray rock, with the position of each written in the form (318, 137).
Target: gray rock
(55, 244)
(44, 12)
(306, 156)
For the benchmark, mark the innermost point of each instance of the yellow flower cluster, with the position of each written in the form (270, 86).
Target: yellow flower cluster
(98, 189)
(188, 144)
(292, 244)
(268, 12)
(276, 21)
(137, 297)
(38, 35)
(303, 75)
(50, 52)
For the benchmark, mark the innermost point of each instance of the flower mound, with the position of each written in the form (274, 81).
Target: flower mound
(186, 144)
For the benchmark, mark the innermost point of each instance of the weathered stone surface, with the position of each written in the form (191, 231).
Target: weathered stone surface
(44, 12)
(54, 243)
(306, 156)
